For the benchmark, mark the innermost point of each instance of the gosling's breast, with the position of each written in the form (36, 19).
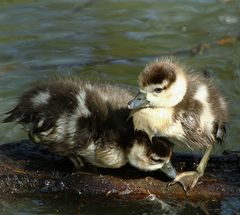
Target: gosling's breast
(156, 121)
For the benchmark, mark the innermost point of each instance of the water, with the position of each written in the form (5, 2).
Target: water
(72, 205)
(112, 40)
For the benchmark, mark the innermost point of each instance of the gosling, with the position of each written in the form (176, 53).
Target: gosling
(88, 123)
(182, 106)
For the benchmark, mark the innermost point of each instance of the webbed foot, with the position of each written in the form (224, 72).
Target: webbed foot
(187, 179)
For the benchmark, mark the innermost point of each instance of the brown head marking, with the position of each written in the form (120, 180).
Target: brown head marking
(157, 72)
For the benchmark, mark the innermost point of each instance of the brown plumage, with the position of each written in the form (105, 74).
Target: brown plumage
(180, 105)
(151, 155)
(155, 74)
(87, 122)
(77, 119)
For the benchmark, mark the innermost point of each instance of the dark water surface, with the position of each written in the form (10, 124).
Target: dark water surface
(112, 41)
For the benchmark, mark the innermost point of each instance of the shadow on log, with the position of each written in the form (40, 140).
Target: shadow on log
(28, 168)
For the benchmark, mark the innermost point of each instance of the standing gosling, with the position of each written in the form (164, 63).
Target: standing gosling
(182, 106)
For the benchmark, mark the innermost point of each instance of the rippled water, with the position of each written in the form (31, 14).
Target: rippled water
(72, 205)
(113, 40)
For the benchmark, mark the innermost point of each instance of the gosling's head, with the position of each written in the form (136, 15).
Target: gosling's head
(162, 84)
(152, 156)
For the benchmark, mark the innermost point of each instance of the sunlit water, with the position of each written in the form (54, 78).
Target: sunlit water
(112, 41)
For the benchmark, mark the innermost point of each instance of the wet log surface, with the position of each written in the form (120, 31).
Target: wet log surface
(28, 168)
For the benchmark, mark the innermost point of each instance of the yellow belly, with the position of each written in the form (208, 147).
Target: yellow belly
(157, 121)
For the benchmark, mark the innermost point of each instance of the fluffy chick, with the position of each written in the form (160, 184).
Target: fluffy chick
(77, 119)
(88, 122)
(184, 107)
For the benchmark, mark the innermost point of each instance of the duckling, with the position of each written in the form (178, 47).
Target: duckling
(182, 106)
(87, 122)
(77, 119)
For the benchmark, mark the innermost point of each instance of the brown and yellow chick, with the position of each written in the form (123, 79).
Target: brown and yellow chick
(184, 107)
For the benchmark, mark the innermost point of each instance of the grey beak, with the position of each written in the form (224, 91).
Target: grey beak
(169, 170)
(139, 101)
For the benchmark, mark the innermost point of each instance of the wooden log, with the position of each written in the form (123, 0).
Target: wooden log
(28, 168)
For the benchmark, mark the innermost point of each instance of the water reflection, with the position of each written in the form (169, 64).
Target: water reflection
(73, 204)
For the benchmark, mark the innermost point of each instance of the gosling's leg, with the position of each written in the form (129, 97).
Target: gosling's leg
(189, 179)
(79, 164)
(77, 161)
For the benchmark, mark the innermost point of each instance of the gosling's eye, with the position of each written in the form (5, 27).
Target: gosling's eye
(158, 90)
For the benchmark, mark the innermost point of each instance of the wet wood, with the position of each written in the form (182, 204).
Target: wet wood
(27, 168)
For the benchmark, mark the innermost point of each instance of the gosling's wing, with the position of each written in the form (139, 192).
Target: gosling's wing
(194, 134)
(189, 120)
